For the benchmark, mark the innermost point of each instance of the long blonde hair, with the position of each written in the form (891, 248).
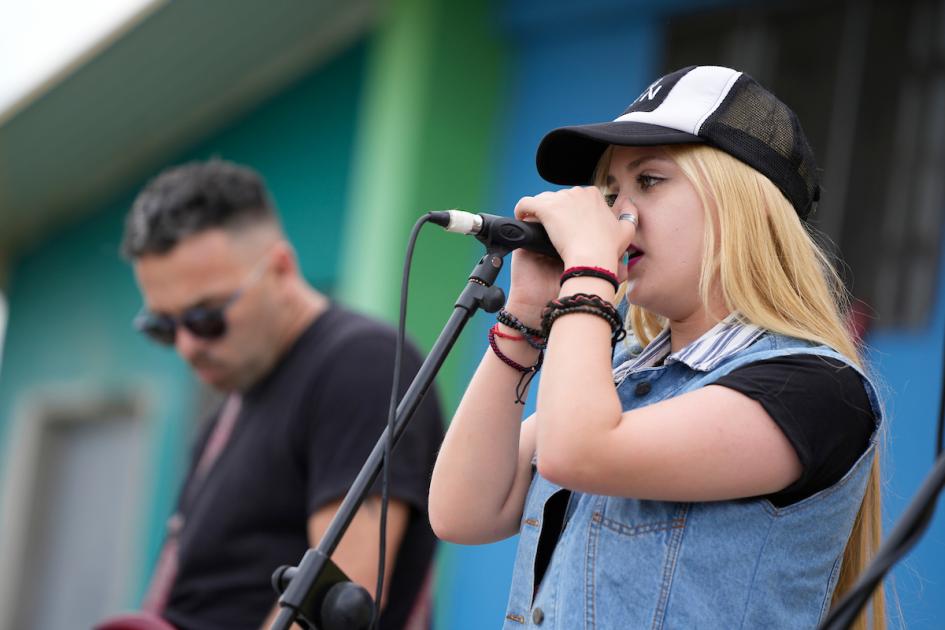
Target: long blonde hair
(768, 268)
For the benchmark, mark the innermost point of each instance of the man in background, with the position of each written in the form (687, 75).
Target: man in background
(307, 386)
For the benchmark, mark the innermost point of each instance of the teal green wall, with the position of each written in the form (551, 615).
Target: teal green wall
(426, 136)
(72, 298)
(427, 139)
(396, 126)
(71, 301)
(302, 142)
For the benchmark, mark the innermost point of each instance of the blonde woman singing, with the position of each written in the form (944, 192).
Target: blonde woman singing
(717, 467)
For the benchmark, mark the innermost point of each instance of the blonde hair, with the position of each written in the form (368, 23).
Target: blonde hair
(758, 254)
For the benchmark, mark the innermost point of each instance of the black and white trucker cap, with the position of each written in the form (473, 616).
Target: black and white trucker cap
(717, 106)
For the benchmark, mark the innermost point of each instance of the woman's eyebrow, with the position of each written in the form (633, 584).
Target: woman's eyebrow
(646, 158)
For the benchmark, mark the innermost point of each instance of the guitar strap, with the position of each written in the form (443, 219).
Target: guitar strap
(155, 600)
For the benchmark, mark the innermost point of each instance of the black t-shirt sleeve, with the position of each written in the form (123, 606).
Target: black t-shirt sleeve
(349, 413)
(822, 407)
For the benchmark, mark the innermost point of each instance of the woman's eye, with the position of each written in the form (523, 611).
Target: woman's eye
(647, 181)
(611, 199)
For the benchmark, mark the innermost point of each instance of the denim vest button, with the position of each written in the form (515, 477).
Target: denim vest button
(643, 388)
(538, 615)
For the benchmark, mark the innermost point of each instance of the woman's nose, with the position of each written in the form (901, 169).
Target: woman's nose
(624, 203)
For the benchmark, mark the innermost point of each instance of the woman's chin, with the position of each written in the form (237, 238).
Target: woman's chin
(636, 294)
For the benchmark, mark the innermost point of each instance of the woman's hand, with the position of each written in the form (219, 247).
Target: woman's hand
(585, 232)
(535, 281)
(580, 224)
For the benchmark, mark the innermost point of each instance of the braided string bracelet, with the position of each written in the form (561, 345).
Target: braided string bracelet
(584, 303)
(501, 335)
(591, 272)
(527, 371)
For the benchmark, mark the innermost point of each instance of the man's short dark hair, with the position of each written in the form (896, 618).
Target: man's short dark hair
(187, 199)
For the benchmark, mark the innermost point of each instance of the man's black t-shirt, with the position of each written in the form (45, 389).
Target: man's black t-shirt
(301, 437)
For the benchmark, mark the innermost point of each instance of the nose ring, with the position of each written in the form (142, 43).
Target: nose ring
(628, 216)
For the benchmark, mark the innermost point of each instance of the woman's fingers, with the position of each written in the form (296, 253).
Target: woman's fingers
(580, 223)
(521, 211)
(626, 230)
(627, 222)
(569, 204)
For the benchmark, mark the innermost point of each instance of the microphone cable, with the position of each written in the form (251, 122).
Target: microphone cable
(391, 413)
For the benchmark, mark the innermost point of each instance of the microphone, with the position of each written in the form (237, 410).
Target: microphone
(495, 230)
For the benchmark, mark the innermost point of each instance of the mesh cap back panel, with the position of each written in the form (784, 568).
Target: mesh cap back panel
(755, 127)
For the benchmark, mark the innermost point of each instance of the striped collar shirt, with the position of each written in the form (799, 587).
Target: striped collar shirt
(729, 336)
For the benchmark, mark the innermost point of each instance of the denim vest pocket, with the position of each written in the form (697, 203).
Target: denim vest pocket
(626, 535)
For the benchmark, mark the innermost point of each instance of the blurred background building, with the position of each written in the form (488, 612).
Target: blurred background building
(362, 115)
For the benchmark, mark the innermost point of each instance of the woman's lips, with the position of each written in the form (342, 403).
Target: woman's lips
(634, 258)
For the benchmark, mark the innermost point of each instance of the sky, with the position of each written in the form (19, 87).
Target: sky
(39, 38)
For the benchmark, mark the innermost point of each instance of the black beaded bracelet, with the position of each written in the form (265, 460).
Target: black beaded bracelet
(533, 336)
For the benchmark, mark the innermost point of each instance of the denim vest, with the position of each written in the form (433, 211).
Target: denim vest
(629, 564)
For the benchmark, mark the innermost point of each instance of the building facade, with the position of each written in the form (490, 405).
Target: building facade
(361, 116)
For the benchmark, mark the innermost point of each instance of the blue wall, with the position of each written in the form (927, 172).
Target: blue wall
(573, 66)
(573, 63)
(910, 365)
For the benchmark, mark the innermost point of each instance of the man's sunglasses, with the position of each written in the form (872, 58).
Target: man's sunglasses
(205, 322)
(200, 321)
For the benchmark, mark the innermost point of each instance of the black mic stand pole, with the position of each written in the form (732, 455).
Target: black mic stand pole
(317, 586)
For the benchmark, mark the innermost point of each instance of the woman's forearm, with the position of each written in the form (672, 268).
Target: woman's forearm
(577, 402)
(481, 472)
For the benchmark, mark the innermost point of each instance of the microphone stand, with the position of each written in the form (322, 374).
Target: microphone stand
(317, 593)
